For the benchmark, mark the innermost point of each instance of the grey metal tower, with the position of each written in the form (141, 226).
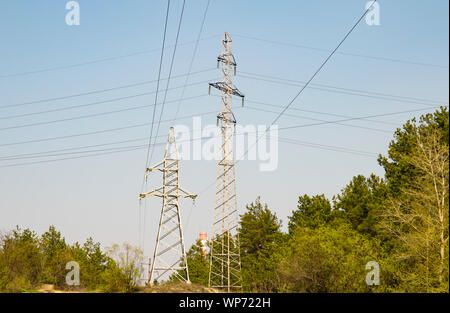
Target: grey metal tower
(170, 252)
(225, 259)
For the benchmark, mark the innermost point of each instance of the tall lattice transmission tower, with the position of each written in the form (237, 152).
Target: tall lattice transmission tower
(225, 259)
(170, 253)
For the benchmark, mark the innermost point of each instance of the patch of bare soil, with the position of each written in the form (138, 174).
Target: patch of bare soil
(178, 287)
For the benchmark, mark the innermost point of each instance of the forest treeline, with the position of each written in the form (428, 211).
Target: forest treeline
(27, 261)
(399, 221)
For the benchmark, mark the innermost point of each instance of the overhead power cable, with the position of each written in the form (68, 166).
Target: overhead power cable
(193, 55)
(157, 88)
(37, 154)
(76, 106)
(96, 91)
(377, 58)
(93, 115)
(349, 119)
(96, 132)
(319, 120)
(304, 87)
(346, 118)
(168, 80)
(359, 92)
(106, 59)
(348, 91)
(108, 151)
(320, 112)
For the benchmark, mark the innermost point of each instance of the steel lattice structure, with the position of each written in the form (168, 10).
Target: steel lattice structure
(225, 260)
(170, 252)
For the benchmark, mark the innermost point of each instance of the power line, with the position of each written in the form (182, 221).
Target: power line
(133, 147)
(63, 67)
(322, 65)
(157, 88)
(369, 93)
(43, 155)
(306, 84)
(49, 153)
(348, 91)
(93, 115)
(320, 113)
(127, 109)
(117, 142)
(94, 132)
(94, 103)
(153, 119)
(347, 118)
(68, 158)
(106, 59)
(342, 92)
(168, 80)
(212, 112)
(377, 58)
(193, 55)
(98, 152)
(319, 120)
(95, 91)
(161, 112)
(327, 147)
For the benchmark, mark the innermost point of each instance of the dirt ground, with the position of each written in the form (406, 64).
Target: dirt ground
(177, 288)
(167, 287)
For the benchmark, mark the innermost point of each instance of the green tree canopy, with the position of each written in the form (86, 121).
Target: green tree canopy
(399, 172)
(361, 202)
(261, 240)
(327, 259)
(311, 212)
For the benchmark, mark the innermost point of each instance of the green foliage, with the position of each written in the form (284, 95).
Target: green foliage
(416, 216)
(129, 261)
(92, 261)
(260, 239)
(27, 261)
(327, 259)
(20, 260)
(198, 265)
(113, 279)
(399, 172)
(311, 212)
(55, 254)
(361, 202)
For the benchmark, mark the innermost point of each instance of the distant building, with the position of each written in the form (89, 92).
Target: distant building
(203, 239)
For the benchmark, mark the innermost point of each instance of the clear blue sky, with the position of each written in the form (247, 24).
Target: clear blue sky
(97, 196)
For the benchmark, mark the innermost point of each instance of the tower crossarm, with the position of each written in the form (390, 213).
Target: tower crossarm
(186, 194)
(157, 167)
(224, 87)
(157, 192)
(227, 59)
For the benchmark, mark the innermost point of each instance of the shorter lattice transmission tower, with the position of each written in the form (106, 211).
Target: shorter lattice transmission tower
(170, 252)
